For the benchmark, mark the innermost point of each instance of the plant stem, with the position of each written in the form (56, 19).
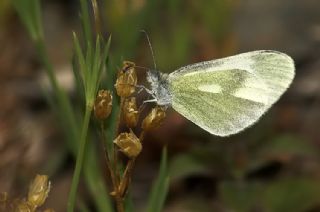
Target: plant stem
(61, 97)
(114, 179)
(115, 151)
(119, 203)
(126, 178)
(43, 54)
(80, 158)
(107, 157)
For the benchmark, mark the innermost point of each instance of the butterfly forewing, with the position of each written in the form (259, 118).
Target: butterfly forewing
(227, 95)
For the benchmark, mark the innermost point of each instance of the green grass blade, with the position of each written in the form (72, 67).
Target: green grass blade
(160, 187)
(78, 79)
(80, 57)
(86, 21)
(29, 12)
(79, 162)
(96, 184)
(110, 129)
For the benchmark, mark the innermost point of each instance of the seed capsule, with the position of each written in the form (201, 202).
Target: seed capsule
(127, 80)
(39, 190)
(3, 197)
(24, 206)
(130, 112)
(154, 118)
(3, 201)
(129, 144)
(103, 105)
(127, 65)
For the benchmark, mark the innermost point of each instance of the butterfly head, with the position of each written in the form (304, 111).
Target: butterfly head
(159, 87)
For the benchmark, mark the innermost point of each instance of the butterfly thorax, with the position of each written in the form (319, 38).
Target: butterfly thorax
(159, 87)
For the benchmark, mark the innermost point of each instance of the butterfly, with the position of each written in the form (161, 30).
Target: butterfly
(227, 95)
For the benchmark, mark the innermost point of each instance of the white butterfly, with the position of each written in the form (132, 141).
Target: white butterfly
(227, 95)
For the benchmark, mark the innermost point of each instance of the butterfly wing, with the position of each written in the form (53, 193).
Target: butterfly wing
(227, 95)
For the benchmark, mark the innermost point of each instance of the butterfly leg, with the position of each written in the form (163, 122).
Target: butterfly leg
(150, 100)
(141, 88)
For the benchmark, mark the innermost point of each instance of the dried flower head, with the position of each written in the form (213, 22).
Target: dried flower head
(24, 206)
(127, 80)
(39, 190)
(103, 104)
(128, 65)
(3, 201)
(154, 119)
(130, 112)
(3, 196)
(129, 144)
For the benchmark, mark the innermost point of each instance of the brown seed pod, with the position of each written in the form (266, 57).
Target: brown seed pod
(154, 119)
(127, 65)
(129, 144)
(127, 80)
(130, 112)
(38, 190)
(103, 104)
(24, 206)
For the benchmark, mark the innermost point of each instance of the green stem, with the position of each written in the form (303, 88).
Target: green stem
(96, 14)
(61, 97)
(80, 159)
(86, 21)
(43, 54)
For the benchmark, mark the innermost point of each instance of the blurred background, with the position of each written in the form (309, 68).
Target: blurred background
(273, 166)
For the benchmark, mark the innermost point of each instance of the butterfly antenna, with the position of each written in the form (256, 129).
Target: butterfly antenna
(141, 67)
(149, 43)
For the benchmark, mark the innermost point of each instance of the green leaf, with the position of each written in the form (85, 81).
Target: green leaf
(96, 184)
(80, 57)
(78, 79)
(85, 17)
(29, 12)
(105, 56)
(160, 187)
